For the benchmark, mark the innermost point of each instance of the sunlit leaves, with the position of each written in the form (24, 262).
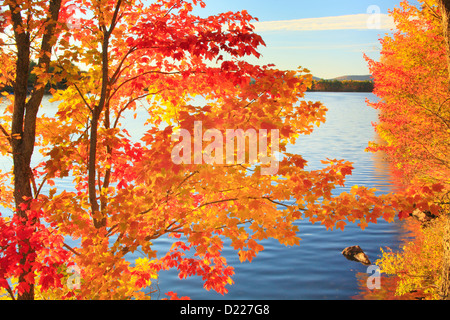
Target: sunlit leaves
(411, 78)
(417, 266)
(28, 242)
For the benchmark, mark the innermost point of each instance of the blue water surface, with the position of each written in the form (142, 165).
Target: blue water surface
(316, 269)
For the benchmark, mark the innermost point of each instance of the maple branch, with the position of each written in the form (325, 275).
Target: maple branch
(98, 223)
(445, 121)
(8, 44)
(253, 101)
(76, 87)
(158, 234)
(99, 182)
(241, 165)
(239, 224)
(40, 187)
(131, 101)
(143, 74)
(170, 9)
(217, 201)
(38, 30)
(119, 69)
(277, 203)
(8, 288)
(82, 97)
(166, 230)
(442, 104)
(114, 19)
(33, 182)
(170, 192)
(2, 129)
(111, 230)
(221, 227)
(433, 12)
(228, 190)
(432, 155)
(187, 178)
(71, 249)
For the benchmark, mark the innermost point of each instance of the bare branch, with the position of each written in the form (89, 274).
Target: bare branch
(131, 101)
(119, 69)
(114, 19)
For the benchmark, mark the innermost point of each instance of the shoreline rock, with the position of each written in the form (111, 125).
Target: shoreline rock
(355, 253)
(423, 216)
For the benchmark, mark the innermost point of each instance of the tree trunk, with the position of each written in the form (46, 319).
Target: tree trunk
(444, 6)
(23, 127)
(21, 171)
(99, 215)
(445, 284)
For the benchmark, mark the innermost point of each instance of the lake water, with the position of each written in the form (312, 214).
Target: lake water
(316, 269)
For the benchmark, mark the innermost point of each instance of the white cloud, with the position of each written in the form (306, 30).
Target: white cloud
(327, 46)
(347, 22)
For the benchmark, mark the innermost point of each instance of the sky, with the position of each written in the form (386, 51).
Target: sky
(328, 37)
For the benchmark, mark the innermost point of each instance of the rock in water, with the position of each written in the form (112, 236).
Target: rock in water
(355, 253)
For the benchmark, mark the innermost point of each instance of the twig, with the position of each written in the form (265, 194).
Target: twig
(71, 249)
(277, 203)
(40, 187)
(5, 133)
(10, 292)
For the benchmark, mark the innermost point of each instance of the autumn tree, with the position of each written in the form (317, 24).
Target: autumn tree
(29, 30)
(444, 8)
(412, 80)
(129, 194)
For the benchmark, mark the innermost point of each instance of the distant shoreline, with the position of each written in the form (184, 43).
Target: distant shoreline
(342, 86)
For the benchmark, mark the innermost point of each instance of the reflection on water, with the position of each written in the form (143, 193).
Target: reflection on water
(407, 230)
(315, 269)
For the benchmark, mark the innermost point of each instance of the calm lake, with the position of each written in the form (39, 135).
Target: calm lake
(316, 269)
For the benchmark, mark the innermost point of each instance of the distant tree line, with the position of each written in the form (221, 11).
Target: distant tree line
(32, 79)
(317, 85)
(342, 86)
